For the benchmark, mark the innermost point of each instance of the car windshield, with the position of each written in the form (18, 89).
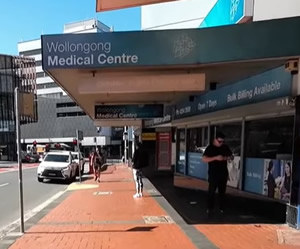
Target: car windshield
(57, 158)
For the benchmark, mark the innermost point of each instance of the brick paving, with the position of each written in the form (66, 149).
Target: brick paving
(252, 236)
(85, 220)
(106, 216)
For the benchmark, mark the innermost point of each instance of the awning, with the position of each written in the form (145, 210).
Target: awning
(162, 67)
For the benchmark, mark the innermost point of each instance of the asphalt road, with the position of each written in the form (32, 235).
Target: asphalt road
(35, 193)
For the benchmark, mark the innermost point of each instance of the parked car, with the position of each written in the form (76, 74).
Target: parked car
(82, 161)
(29, 158)
(58, 165)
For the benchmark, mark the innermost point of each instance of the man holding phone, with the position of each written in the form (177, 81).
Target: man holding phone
(216, 155)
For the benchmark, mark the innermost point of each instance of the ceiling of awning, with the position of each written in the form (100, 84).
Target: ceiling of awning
(105, 5)
(71, 81)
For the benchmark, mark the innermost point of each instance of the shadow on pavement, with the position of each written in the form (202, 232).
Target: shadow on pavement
(191, 205)
(134, 229)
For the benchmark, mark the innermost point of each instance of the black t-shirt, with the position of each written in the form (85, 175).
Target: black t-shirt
(217, 167)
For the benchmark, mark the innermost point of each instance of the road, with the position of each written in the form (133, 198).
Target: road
(35, 193)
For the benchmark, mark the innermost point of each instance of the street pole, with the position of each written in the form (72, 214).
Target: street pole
(125, 144)
(79, 163)
(18, 135)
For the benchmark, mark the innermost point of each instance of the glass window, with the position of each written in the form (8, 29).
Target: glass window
(198, 139)
(40, 75)
(31, 52)
(197, 142)
(233, 134)
(38, 63)
(57, 158)
(181, 148)
(269, 138)
(268, 154)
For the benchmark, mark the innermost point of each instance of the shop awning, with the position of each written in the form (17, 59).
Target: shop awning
(162, 67)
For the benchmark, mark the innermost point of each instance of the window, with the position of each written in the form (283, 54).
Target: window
(181, 148)
(233, 134)
(46, 85)
(196, 144)
(269, 144)
(40, 75)
(269, 138)
(31, 52)
(70, 114)
(38, 63)
(57, 158)
(66, 104)
(52, 95)
(198, 139)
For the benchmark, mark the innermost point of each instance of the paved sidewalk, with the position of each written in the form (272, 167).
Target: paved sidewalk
(106, 216)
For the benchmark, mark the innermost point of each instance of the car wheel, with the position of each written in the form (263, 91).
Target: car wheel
(40, 179)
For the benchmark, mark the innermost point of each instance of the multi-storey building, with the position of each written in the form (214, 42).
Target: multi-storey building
(59, 115)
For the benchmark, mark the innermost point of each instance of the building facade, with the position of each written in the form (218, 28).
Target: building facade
(59, 115)
(14, 72)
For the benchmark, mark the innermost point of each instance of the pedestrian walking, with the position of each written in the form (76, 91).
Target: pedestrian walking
(97, 163)
(139, 161)
(216, 155)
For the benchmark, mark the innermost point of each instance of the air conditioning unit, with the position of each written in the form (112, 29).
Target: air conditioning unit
(292, 66)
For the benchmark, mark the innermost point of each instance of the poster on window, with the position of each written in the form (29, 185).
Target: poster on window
(269, 177)
(234, 172)
(277, 179)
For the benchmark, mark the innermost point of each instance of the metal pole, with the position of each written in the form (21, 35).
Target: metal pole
(78, 151)
(125, 145)
(18, 134)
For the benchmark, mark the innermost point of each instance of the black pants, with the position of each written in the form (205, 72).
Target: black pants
(219, 182)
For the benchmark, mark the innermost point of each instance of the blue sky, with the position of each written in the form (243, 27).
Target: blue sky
(26, 20)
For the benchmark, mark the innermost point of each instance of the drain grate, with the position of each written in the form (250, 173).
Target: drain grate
(157, 219)
(102, 193)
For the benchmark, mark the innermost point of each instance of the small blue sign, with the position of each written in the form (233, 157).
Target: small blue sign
(225, 12)
(196, 167)
(254, 175)
(128, 111)
(272, 84)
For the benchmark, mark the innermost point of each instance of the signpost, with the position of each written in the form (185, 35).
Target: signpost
(79, 135)
(26, 101)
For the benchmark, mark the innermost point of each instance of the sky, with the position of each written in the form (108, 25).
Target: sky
(27, 20)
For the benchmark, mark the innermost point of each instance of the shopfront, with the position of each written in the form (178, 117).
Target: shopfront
(257, 117)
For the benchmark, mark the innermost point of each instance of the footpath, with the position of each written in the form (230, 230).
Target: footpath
(91, 216)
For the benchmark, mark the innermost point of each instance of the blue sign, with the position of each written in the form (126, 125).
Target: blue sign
(254, 175)
(196, 167)
(167, 118)
(272, 84)
(225, 12)
(160, 48)
(128, 111)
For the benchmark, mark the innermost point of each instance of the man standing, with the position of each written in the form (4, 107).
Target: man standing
(216, 155)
